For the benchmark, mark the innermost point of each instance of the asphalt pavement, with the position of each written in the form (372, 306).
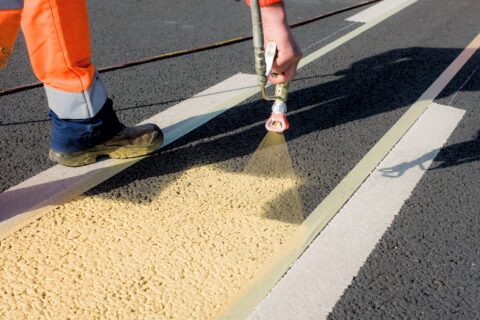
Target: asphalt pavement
(427, 264)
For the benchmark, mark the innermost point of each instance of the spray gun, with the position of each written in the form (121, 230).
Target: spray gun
(263, 66)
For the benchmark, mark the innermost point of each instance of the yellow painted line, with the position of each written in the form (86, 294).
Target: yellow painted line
(245, 303)
(176, 245)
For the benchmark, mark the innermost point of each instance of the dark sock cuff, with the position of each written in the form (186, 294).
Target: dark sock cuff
(77, 135)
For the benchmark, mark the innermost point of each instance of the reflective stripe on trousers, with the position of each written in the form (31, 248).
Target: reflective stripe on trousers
(77, 105)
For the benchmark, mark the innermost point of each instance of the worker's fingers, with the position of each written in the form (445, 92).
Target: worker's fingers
(284, 77)
(285, 69)
(278, 79)
(287, 57)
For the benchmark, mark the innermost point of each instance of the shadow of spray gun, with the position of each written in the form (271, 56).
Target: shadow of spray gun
(263, 67)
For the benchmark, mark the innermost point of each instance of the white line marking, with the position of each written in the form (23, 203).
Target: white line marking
(358, 31)
(184, 117)
(375, 11)
(318, 279)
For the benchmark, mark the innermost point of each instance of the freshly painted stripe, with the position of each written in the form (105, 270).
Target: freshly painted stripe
(376, 10)
(317, 280)
(245, 303)
(177, 247)
(27, 201)
(34, 197)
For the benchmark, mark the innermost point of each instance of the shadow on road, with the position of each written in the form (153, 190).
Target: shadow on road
(379, 84)
(369, 87)
(458, 154)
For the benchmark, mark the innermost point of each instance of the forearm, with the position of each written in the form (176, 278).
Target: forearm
(274, 13)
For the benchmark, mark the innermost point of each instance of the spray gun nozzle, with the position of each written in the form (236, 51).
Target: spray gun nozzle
(277, 122)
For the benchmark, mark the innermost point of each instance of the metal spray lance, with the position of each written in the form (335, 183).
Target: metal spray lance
(263, 66)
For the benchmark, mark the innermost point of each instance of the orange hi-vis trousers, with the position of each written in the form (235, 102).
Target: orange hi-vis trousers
(58, 42)
(265, 3)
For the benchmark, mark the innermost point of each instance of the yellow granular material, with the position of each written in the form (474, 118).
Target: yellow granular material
(181, 255)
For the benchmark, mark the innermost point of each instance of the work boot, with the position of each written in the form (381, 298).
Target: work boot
(130, 142)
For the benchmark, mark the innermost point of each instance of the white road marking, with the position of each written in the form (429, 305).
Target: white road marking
(358, 31)
(376, 11)
(318, 279)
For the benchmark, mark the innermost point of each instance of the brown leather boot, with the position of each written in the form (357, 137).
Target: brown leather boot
(130, 142)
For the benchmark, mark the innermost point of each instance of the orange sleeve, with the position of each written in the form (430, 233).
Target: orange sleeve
(265, 3)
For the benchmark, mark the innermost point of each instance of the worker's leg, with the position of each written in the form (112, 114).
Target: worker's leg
(10, 12)
(58, 41)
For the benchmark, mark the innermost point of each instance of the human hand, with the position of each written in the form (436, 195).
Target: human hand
(276, 29)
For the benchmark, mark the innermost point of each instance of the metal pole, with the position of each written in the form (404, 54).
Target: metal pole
(258, 42)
